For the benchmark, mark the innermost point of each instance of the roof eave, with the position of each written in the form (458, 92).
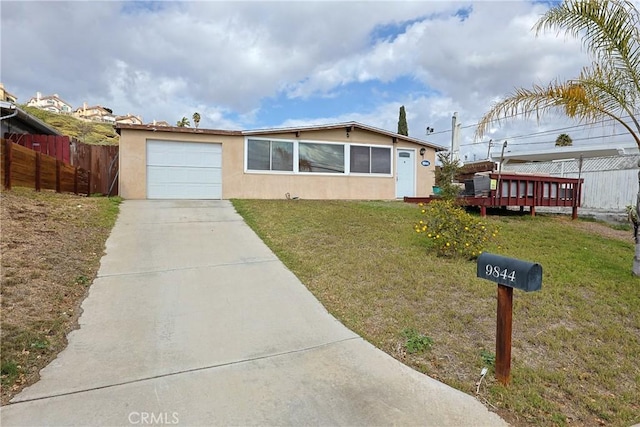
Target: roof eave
(33, 121)
(158, 128)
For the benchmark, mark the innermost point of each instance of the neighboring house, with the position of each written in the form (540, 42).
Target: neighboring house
(96, 113)
(17, 121)
(340, 161)
(51, 103)
(610, 173)
(158, 123)
(6, 96)
(129, 119)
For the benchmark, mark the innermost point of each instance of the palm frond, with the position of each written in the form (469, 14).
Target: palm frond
(609, 30)
(538, 100)
(577, 99)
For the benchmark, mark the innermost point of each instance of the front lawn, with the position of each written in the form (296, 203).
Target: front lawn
(576, 343)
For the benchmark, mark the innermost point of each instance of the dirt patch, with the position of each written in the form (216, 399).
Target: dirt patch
(602, 229)
(51, 245)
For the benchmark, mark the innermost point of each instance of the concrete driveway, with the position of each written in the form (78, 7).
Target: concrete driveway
(194, 321)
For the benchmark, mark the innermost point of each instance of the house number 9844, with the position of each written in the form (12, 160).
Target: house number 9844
(497, 272)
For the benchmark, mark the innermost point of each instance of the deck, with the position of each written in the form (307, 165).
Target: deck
(509, 189)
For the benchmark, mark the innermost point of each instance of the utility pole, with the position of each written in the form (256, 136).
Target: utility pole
(455, 144)
(498, 189)
(489, 149)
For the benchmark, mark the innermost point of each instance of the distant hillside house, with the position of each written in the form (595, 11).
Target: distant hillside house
(96, 113)
(129, 119)
(51, 103)
(6, 96)
(159, 123)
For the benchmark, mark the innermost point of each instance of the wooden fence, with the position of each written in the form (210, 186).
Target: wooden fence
(28, 168)
(51, 145)
(101, 160)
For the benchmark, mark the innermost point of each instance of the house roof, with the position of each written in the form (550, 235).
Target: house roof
(21, 118)
(95, 107)
(161, 128)
(42, 98)
(616, 163)
(572, 152)
(352, 125)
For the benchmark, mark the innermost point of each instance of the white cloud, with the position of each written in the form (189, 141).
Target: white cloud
(230, 60)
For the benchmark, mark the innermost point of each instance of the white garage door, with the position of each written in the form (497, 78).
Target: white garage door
(184, 170)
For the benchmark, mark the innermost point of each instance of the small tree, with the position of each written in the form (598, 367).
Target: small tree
(564, 140)
(445, 175)
(183, 123)
(403, 128)
(196, 119)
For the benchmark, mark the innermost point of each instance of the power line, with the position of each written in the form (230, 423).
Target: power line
(476, 124)
(574, 139)
(548, 131)
(511, 144)
(551, 131)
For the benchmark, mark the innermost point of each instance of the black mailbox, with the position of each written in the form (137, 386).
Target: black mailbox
(510, 272)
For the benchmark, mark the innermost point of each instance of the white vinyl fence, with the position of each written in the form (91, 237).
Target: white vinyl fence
(610, 183)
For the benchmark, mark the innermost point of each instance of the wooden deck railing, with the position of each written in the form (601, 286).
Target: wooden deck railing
(523, 190)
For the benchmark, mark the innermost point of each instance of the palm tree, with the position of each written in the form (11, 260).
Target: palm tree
(196, 119)
(608, 89)
(564, 140)
(183, 123)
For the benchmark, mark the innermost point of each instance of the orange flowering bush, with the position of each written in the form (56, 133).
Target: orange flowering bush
(452, 231)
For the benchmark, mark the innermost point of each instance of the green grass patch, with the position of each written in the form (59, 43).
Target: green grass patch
(86, 131)
(416, 342)
(575, 343)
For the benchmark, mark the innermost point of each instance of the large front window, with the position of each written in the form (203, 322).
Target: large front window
(370, 159)
(327, 158)
(269, 155)
(317, 157)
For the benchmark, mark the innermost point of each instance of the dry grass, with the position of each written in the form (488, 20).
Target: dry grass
(576, 344)
(51, 248)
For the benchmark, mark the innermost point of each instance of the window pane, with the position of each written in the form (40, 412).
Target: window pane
(281, 156)
(258, 155)
(380, 160)
(359, 159)
(327, 158)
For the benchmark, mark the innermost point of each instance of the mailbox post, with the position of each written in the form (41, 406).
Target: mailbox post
(508, 273)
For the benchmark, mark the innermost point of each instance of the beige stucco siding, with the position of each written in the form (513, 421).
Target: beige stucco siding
(133, 156)
(238, 183)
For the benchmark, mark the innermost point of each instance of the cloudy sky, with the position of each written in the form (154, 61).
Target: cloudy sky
(254, 65)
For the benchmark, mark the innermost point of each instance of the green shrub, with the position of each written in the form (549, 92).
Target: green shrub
(488, 358)
(416, 342)
(452, 231)
(445, 175)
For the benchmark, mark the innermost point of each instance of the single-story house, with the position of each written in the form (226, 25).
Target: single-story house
(339, 161)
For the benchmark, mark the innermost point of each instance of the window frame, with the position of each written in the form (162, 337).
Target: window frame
(270, 170)
(296, 158)
(344, 154)
(370, 146)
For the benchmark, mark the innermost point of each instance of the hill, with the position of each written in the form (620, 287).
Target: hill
(85, 131)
